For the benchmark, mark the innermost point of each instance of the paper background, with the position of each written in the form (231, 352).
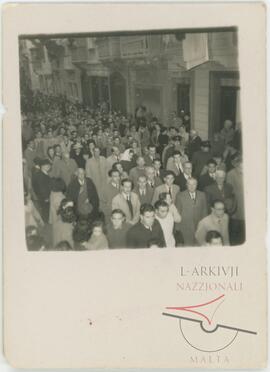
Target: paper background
(49, 297)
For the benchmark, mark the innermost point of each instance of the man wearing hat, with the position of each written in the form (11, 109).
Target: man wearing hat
(200, 158)
(77, 155)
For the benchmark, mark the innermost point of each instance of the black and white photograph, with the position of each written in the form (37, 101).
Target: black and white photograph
(132, 140)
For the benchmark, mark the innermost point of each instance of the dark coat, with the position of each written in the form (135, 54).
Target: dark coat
(80, 161)
(191, 213)
(147, 198)
(41, 183)
(181, 181)
(194, 146)
(226, 195)
(204, 181)
(199, 161)
(74, 189)
(139, 236)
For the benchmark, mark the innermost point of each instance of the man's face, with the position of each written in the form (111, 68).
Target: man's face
(148, 218)
(116, 151)
(191, 185)
(218, 210)
(220, 178)
(31, 144)
(91, 145)
(150, 173)
(177, 158)
(157, 165)
(211, 168)
(188, 169)
(58, 150)
(168, 199)
(216, 242)
(162, 212)
(66, 155)
(117, 141)
(46, 168)
(169, 179)
(96, 152)
(81, 174)
(172, 132)
(116, 177)
(152, 151)
(192, 134)
(117, 220)
(205, 149)
(126, 187)
(142, 182)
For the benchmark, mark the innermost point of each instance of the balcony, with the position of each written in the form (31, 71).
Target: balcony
(133, 46)
(141, 46)
(108, 48)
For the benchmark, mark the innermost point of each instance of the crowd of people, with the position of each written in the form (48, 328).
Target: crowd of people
(96, 179)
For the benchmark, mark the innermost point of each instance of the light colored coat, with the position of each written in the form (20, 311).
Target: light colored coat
(163, 188)
(97, 171)
(119, 202)
(64, 169)
(211, 223)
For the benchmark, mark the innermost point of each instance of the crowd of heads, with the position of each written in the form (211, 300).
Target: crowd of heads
(138, 151)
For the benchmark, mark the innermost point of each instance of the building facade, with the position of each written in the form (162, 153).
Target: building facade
(192, 72)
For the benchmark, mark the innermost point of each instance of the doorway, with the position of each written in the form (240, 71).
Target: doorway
(223, 99)
(118, 92)
(183, 99)
(228, 103)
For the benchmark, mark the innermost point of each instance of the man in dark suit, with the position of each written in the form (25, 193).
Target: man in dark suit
(151, 179)
(194, 143)
(221, 190)
(159, 172)
(191, 205)
(151, 155)
(82, 191)
(181, 179)
(209, 177)
(147, 229)
(144, 191)
(200, 158)
(42, 188)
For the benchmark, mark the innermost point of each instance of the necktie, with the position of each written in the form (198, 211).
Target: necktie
(130, 206)
(170, 191)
